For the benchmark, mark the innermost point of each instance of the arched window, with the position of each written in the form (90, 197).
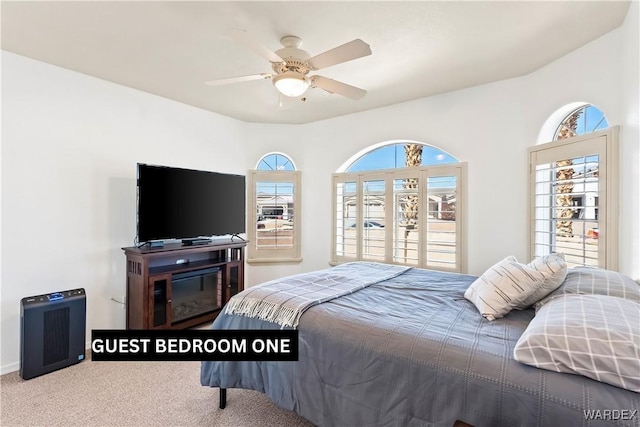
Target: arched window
(275, 162)
(574, 189)
(584, 119)
(399, 155)
(274, 214)
(400, 203)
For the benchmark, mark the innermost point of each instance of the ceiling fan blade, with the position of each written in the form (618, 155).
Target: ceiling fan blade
(348, 51)
(242, 37)
(334, 86)
(230, 80)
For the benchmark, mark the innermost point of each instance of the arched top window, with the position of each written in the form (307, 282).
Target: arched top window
(573, 187)
(401, 154)
(584, 119)
(275, 162)
(273, 210)
(400, 202)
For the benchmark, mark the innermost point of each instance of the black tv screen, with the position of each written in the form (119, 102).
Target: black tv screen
(175, 203)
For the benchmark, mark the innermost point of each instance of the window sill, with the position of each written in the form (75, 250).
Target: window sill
(273, 260)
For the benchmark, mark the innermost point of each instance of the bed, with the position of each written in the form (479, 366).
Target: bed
(411, 350)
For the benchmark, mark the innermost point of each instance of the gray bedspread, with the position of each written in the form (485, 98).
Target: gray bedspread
(411, 351)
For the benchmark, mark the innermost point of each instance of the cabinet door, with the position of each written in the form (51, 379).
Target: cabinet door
(233, 280)
(160, 302)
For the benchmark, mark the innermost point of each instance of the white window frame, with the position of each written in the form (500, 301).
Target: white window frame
(459, 170)
(255, 254)
(605, 144)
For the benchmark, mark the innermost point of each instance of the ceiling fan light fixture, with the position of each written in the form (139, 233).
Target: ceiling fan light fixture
(291, 83)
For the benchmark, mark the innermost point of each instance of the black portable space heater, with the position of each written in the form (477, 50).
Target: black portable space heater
(52, 331)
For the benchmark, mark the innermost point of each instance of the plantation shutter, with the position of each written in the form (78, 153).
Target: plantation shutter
(274, 221)
(409, 216)
(573, 199)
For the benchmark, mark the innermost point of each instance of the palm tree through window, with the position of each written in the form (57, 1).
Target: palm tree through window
(574, 188)
(400, 203)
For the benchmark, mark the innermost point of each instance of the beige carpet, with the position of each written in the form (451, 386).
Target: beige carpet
(132, 394)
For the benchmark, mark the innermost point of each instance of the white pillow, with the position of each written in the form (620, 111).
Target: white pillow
(596, 336)
(503, 287)
(554, 269)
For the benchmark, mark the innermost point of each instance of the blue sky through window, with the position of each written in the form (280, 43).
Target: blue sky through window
(392, 156)
(591, 119)
(275, 162)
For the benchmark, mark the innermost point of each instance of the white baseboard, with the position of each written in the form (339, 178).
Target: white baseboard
(15, 366)
(11, 367)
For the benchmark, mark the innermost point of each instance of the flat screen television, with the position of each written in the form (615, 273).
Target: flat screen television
(175, 203)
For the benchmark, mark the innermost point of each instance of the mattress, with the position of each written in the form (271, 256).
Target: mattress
(412, 351)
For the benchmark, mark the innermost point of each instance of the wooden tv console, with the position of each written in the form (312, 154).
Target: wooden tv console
(151, 270)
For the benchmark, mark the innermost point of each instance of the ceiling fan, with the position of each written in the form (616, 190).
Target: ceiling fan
(291, 65)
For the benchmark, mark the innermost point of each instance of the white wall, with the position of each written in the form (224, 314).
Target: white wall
(70, 144)
(490, 127)
(630, 150)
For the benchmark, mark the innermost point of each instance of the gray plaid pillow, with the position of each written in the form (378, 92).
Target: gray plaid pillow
(596, 336)
(598, 281)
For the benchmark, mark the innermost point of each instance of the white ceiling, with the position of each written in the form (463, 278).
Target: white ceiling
(420, 48)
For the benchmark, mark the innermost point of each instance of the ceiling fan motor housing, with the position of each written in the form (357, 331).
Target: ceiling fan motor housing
(295, 59)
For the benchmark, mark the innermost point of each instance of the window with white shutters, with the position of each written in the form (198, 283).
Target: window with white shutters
(274, 214)
(410, 216)
(574, 198)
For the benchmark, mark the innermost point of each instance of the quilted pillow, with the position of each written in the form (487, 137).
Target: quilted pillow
(595, 281)
(554, 269)
(596, 336)
(503, 287)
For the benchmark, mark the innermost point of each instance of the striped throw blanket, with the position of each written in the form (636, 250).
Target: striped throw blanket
(283, 301)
